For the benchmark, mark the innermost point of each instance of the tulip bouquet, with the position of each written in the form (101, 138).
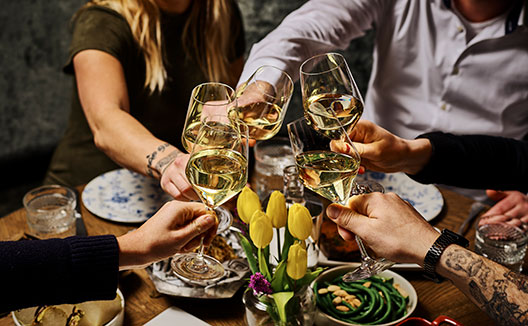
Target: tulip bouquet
(276, 278)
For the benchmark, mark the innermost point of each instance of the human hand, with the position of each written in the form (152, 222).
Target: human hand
(173, 179)
(382, 151)
(176, 227)
(390, 226)
(511, 208)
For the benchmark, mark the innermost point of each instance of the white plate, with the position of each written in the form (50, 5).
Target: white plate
(426, 199)
(124, 196)
(322, 319)
(398, 266)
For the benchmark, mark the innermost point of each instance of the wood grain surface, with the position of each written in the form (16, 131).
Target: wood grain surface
(143, 302)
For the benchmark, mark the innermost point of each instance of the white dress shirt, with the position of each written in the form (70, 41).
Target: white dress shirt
(426, 75)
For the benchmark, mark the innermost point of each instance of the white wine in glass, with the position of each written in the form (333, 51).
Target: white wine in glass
(331, 98)
(262, 101)
(217, 171)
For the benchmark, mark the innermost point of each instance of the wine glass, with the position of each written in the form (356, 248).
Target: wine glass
(207, 99)
(330, 96)
(217, 171)
(262, 101)
(329, 166)
(332, 101)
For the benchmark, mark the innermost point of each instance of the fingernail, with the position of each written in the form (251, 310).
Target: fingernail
(333, 211)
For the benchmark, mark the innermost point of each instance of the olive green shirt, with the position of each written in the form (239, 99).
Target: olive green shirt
(76, 159)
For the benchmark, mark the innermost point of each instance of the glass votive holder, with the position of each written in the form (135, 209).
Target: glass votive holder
(50, 211)
(503, 243)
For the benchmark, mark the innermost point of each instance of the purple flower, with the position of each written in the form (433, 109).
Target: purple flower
(259, 284)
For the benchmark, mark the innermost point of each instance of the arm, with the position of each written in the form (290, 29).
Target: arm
(469, 161)
(104, 98)
(318, 26)
(76, 269)
(385, 222)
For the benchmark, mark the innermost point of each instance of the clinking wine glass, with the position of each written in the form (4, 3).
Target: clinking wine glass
(329, 166)
(331, 99)
(217, 171)
(208, 99)
(262, 101)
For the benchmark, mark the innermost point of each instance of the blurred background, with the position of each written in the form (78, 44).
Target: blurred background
(35, 94)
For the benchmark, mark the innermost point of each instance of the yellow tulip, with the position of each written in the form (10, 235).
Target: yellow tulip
(247, 204)
(299, 222)
(276, 209)
(260, 229)
(297, 261)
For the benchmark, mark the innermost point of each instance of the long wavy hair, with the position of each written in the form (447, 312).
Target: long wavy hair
(207, 35)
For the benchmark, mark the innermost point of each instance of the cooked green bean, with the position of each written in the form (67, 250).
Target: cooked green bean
(368, 302)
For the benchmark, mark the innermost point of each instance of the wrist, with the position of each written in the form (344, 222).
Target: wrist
(433, 256)
(130, 255)
(160, 159)
(419, 154)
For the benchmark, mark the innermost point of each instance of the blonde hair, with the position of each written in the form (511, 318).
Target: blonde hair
(207, 17)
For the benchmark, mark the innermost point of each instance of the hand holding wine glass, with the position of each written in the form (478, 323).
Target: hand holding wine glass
(262, 101)
(217, 171)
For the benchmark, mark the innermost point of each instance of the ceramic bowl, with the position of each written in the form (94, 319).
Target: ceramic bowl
(323, 319)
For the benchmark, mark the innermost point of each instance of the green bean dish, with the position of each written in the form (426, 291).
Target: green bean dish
(372, 301)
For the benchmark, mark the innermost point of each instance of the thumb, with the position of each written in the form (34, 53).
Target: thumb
(495, 194)
(345, 218)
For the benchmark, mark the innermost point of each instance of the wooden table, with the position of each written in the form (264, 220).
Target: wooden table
(143, 302)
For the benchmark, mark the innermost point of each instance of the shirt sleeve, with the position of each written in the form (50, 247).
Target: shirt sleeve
(318, 26)
(56, 271)
(476, 161)
(99, 28)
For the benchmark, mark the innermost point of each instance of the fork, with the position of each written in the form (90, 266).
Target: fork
(475, 210)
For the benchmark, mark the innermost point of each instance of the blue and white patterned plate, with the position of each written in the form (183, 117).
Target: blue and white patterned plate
(426, 199)
(124, 196)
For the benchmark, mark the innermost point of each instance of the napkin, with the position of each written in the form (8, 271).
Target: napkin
(175, 316)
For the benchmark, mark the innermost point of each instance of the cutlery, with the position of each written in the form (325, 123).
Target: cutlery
(476, 208)
(79, 222)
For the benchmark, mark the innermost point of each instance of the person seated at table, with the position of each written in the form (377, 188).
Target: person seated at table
(393, 229)
(469, 161)
(432, 61)
(135, 64)
(77, 269)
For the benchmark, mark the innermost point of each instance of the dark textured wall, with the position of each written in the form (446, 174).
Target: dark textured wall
(35, 94)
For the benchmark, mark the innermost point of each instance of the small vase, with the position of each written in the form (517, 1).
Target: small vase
(259, 313)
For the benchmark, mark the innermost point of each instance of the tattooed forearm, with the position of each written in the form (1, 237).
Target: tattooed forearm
(501, 293)
(152, 156)
(166, 161)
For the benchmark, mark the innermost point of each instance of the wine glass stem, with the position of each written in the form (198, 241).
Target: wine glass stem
(363, 251)
(199, 261)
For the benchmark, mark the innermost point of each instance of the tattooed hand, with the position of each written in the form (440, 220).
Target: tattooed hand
(173, 179)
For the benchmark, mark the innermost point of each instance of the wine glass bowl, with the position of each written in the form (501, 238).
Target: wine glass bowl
(330, 95)
(262, 101)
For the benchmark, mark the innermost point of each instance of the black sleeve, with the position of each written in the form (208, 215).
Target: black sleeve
(476, 161)
(56, 271)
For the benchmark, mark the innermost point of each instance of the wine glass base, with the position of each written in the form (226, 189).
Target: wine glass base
(369, 267)
(184, 267)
